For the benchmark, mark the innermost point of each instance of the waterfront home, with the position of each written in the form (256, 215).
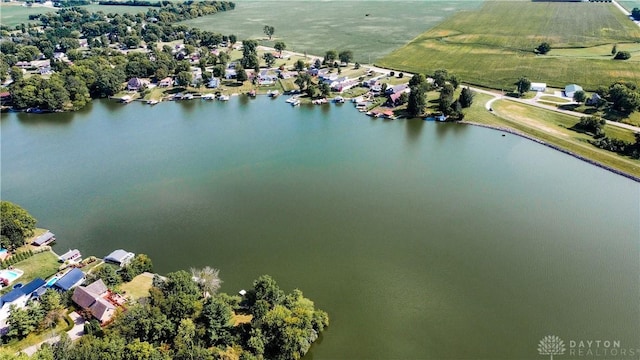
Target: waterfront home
(44, 239)
(135, 84)
(68, 281)
(213, 83)
(119, 257)
(18, 297)
(397, 89)
(94, 298)
(71, 255)
(166, 82)
(394, 99)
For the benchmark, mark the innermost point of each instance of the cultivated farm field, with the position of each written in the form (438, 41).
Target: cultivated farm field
(371, 29)
(494, 45)
(12, 14)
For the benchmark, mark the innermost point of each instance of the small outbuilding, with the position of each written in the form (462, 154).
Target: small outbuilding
(44, 239)
(71, 255)
(570, 90)
(119, 257)
(538, 86)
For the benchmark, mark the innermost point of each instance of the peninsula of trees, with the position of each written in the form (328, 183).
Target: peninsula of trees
(183, 316)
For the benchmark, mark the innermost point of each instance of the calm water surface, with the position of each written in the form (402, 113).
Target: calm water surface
(421, 240)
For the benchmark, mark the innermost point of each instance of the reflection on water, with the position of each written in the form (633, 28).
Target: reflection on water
(422, 240)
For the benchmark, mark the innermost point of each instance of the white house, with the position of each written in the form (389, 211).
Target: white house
(18, 297)
(538, 86)
(570, 90)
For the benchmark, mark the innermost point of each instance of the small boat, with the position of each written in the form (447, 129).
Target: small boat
(338, 100)
(252, 93)
(208, 97)
(319, 101)
(292, 99)
(152, 102)
(296, 102)
(187, 97)
(125, 100)
(223, 97)
(273, 93)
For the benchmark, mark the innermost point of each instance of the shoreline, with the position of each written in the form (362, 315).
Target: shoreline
(554, 147)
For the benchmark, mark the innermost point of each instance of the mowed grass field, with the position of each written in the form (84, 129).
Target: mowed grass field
(371, 29)
(553, 128)
(12, 14)
(493, 46)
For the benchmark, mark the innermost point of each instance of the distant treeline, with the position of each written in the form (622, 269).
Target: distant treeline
(70, 3)
(134, 3)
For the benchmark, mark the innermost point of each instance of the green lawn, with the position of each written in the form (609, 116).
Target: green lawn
(12, 14)
(318, 26)
(493, 46)
(551, 127)
(138, 287)
(41, 265)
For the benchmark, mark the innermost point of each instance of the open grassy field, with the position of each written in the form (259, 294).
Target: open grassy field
(551, 127)
(12, 14)
(138, 287)
(493, 46)
(318, 26)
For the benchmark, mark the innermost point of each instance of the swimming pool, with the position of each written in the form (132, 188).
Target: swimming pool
(52, 281)
(11, 275)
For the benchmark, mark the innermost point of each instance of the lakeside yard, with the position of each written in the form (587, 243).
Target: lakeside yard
(493, 46)
(552, 128)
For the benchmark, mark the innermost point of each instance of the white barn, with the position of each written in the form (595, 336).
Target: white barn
(538, 86)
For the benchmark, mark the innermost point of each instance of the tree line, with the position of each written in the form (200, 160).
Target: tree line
(446, 84)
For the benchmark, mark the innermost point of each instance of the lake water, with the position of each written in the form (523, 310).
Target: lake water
(421, 240)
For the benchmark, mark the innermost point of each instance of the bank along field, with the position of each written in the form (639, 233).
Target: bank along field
(493, 45)
(371, 29)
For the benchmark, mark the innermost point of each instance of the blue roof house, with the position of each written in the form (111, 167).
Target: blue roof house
(18, 297)
(70, 280)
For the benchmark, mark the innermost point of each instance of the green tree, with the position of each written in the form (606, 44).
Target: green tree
(466, 97)
(624, 96)
(16, 225)
(614, 49)
(417, 101)
(280, 46)
(303, 80)
(523, 85)
(330, 56)
(241, 74)
(579, 96)
(269, 59)
(543, 48)
(108, 275)
(635, 13)
(217, 317)
(269, 31)
(440, 77)
(16, 73)
(622, 55)
(184, 78)
(345, 56)
(299, 65)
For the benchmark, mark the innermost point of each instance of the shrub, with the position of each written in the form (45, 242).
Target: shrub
(622, 55)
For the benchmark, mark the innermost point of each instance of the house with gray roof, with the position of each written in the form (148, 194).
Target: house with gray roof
(570, 90)
(94, 298)
(44, 239)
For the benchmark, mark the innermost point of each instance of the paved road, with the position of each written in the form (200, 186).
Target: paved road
(624, 11)
(533, 102)
(75, 333)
